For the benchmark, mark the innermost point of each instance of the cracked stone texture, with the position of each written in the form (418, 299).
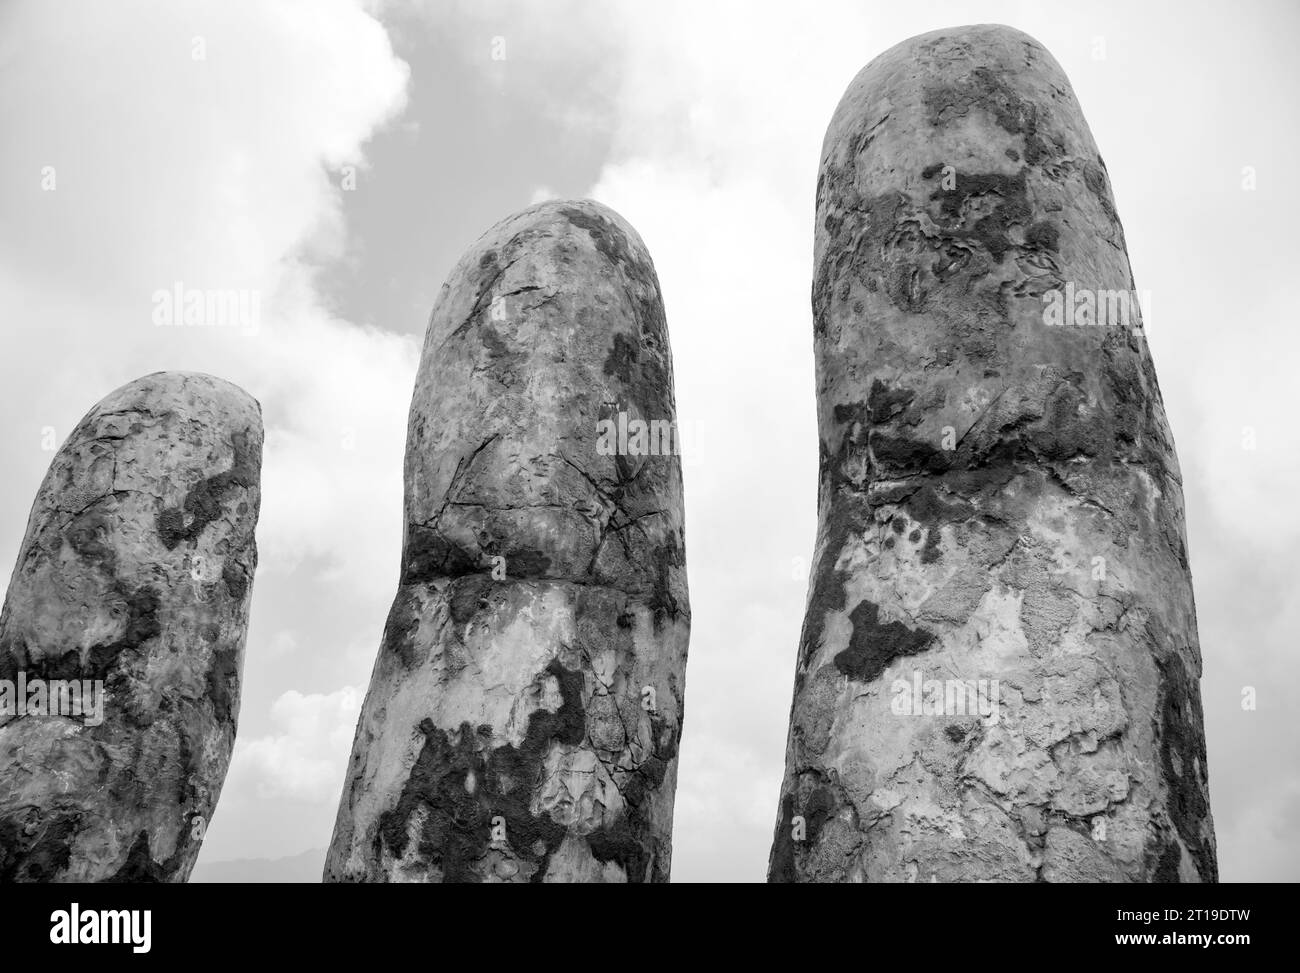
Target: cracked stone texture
(977, 561)
(515, 707)
(136, 569)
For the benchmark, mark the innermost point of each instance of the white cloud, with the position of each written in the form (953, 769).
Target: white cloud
(305, 760)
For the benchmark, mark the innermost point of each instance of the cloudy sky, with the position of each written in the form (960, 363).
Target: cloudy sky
(337, 156)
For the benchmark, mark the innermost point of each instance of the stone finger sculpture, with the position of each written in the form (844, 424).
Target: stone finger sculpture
(998, 675)
(122, 635)
(524, 713)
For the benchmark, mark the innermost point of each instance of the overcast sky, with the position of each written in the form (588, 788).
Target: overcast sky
(214, 144)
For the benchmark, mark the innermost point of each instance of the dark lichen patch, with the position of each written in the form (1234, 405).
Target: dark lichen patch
(526, 562)
(628, 842)
(611, 242)
(1132, 397)
(849, 219)
(1024, 454)
(989, 89)
(456, 829)
(1166, 872)
(902, 455)
(497, 349)
(468, 596)
(402, 626)
(140, 606)
(846, 412)
(666, 563)
(665, 736)
(647, 305)
(993, 230)
(622, 360)
(620, 844)
(203, 503)
(818, 809)
(235, 578)
(462, 784)
(490, 269)
(931, 552)
(188, 793)
(140, 866)
(1067, 430)
(87, 534)
(1182, 756)
(873, 645)
(955, 732)
(925, 505)
(429, 554)
(642, 372)
(887, 402)
(979, 473)
(904, 283)
(567, 724)
(827, 595)
(501, 359)
(1043, 235)
(847, 463)
(223, 683)
(36, 844)
(813, 798)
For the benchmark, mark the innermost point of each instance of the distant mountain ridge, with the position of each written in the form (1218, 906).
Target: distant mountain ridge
(304, 867)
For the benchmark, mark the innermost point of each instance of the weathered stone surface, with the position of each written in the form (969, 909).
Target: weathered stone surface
(137, 571)
(999, 500)
(525, 708)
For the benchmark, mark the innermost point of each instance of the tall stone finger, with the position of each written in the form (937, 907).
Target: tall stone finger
(998, 676)
(122, 635)
(525, 709)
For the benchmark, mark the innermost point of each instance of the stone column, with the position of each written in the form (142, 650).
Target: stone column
(998, 676)
(525, 708)
(122, 635)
